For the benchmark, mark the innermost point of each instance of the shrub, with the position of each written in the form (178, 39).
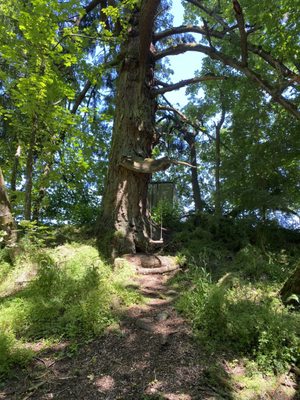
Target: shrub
(256, 264)
(12, 353)
(236, 316)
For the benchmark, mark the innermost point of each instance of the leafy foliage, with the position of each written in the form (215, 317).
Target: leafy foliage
(233, 314)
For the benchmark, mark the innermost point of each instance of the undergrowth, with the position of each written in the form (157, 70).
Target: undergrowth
(229, 292)
(242, 316)
(64, 293)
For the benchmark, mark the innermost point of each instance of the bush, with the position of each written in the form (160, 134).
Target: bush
(12, 353)
(237, 316)
(255, 264)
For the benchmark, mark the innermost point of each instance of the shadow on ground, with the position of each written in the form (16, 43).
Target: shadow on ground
(150, 355)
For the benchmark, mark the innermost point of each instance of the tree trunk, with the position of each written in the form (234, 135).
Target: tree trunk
(190, 138)
(42, 192)
(14, 174)
(218, 202)
(290, 292)
(7, 223)
(218, 207)
(124, 219)
(28, 176)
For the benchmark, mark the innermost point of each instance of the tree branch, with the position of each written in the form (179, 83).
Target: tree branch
(211, 13)
(149, 165)
(188, 29)
(174, 110)
(81, 97)
(243, 34)
(266, 56)
(196, 126)
(186, 82)
(258, 50)
(89, 8)
(254, 76)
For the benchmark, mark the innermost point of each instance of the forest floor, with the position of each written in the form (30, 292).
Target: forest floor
(151, 354)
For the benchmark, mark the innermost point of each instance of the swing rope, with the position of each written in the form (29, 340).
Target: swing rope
(161, 240)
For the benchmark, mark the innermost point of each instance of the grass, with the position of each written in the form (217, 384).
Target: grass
(64, 293)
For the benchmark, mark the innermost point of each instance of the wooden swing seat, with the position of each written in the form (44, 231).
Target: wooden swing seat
(160, 241)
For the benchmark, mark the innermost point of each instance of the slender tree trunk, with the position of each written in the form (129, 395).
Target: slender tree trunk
(218, 202)
(218, 206)
(42, 193)
(190, 138)
(28, 175)
(7, 223)
(14, 174)
(124, 208)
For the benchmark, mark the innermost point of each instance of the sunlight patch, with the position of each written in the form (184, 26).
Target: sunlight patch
(105, 383)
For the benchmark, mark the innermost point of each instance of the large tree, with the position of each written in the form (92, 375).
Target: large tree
(225, 40)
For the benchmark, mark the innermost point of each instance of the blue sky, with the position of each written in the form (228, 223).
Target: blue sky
(184, 65)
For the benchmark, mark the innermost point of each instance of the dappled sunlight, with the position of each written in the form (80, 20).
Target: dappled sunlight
(146, 350)
(151, 355)
(104, 383)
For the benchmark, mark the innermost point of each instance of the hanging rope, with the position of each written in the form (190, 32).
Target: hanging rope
(161, 240)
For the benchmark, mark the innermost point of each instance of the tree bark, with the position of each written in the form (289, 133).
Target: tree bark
(190, 138)
(28, 174)
(42, 192)
(14, 174)
(290, 288)
(218, 204)
(7, 223)
(124, 219)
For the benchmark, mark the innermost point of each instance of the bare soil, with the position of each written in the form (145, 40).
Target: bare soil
(150, 355)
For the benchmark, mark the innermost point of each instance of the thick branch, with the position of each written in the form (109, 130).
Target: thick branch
(271, 60)
(188, 29)
(93, 4)
(186, 82)
(258, 50)
(217, 55)
(149, 165)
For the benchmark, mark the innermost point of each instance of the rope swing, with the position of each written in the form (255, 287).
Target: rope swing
(161, 240)
(159, 191)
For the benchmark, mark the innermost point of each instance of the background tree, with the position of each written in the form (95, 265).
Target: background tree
(7, 224)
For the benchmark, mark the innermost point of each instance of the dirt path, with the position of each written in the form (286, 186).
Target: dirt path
(151, 356)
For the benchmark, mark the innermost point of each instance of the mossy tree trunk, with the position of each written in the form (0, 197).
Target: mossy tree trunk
(124, 215)
(292, 287)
